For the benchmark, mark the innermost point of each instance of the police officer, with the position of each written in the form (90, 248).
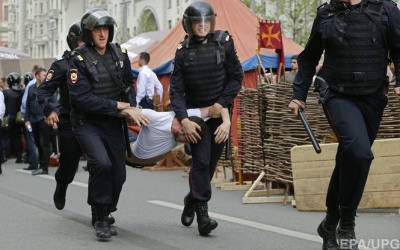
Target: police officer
(356, 36)
(12, 99)
(207, 72)
(59, 113)
(99, 72)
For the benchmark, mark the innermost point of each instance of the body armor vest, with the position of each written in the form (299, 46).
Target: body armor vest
(355, 51)
(204, 70)
(100, 80)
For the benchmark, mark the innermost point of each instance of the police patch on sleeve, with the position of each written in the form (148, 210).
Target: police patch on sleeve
(49, 75)
(73, 75)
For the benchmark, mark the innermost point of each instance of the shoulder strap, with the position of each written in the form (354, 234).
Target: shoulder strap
(376, 7)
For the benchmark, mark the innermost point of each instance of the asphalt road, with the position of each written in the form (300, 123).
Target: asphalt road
(148, 217)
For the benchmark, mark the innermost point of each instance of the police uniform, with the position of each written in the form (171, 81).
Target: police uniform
(205, 74)
(94, 94)
(56, 78)
(356, 40)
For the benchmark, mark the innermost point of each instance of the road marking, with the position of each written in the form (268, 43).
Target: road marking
(248, 223)
(51, 177)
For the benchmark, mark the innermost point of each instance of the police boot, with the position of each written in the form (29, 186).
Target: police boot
(101, 223)
(59, 196)
(345, 232)
(19, 158)
(188, 210)
(327, 230)
(205, 224)
(110, 220)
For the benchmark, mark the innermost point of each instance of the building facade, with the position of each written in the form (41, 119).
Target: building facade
(39, 27)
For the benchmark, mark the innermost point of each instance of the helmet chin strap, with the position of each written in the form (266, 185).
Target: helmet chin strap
(197, 39)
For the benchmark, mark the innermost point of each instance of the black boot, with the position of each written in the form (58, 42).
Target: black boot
(345, 232)
(188, 211)
(1, 171)
(205, 224)
(327, 230)
(19, 158)
(101, 223)
(59, 196)
(110, 220)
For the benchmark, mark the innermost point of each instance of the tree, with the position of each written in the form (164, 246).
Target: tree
(296, 17)
(259, 8)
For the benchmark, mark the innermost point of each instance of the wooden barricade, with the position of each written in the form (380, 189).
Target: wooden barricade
(312, 172)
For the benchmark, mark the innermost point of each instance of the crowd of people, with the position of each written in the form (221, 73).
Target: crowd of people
(88, 97)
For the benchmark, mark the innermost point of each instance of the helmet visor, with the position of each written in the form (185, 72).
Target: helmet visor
(201, 25)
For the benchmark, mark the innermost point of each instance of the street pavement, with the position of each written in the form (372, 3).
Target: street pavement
(148, 217)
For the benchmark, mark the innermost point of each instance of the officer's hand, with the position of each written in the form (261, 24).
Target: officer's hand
(397, 91)
(294, 106)
(134, 115)
(215, 110)
(123, 105)
(190, 130)
(52, 119)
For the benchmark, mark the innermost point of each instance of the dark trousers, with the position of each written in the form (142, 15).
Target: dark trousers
(146, 103)
(41, 134)
(355, 121)
(70, 151)
(205, 155)
(31, 150)
(15, 132)
(103, 143)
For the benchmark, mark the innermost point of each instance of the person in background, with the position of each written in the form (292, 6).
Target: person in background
(289, 76)
(206, 72)
(356, 37)
(12, 99)
(30, 146)
(34, 120)
(146, 82)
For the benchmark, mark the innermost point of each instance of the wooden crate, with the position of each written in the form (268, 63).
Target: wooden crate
(312, 172)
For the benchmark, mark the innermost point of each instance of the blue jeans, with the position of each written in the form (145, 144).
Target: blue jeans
(33, 158)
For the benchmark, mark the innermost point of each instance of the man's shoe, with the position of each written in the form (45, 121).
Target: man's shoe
(110, 219)
(39, 172)
(85, 168)
(328, 237)
(1, 171)
(29, 168)
(187, 216)
(205, 223)
(59, 196)
(101, 226)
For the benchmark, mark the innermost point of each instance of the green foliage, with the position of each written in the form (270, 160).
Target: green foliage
(259, 8)
(296, 17)
(147, 22)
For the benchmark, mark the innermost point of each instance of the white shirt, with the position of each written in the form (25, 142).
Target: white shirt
(146, 82)
(2, 105)
(156, 138)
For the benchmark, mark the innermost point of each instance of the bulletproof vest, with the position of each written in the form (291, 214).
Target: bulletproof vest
(355, 50)
(204, 70)
(100, 80)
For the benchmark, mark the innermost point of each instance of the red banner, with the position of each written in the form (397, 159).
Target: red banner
(270, 37)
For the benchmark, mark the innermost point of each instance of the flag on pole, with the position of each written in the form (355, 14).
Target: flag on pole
(270, 37)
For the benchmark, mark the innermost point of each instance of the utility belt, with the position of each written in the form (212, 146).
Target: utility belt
(352, 76)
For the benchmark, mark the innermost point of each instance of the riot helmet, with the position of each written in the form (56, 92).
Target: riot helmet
(27, 77)
(199, 12)
(95, 18)
(74, 34)
(14, 81)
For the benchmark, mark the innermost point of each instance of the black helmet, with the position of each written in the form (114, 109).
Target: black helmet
(27, 77)
(74, 34)
(198, 11)
(14, 81)
(94, 18)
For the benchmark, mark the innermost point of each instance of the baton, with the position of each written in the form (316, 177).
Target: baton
(126, 137)
(314, 141)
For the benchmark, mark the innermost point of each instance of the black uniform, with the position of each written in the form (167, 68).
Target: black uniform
(94, 94)
(70, 149)
(356, 41)
(205, 74)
